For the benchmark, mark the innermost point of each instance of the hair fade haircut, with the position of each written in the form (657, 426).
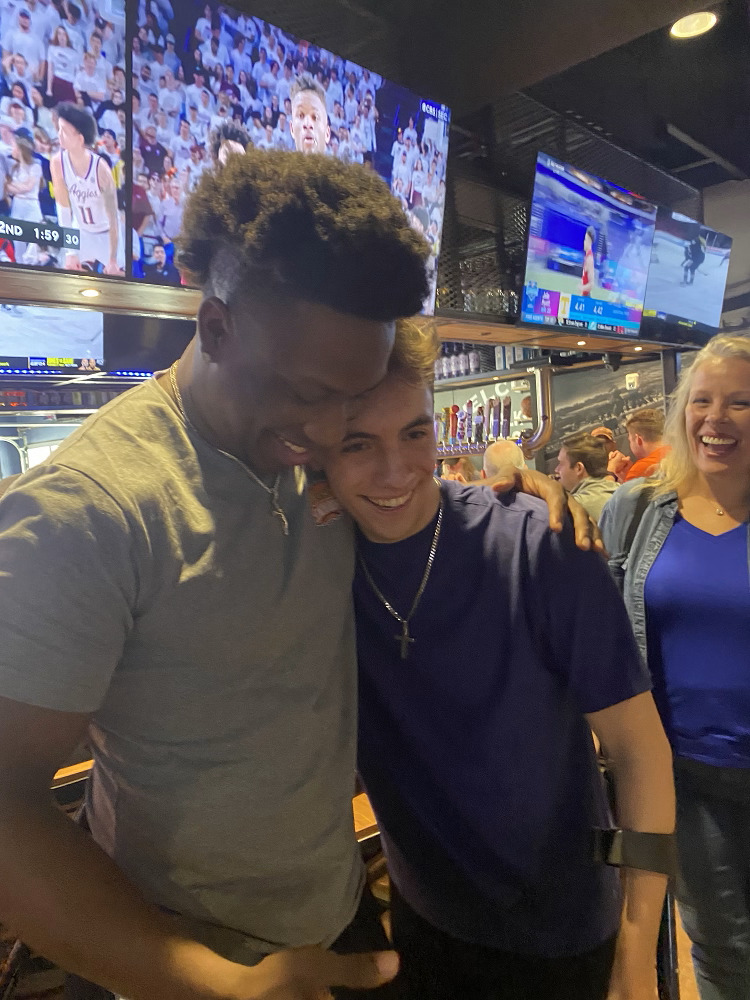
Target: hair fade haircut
(310, 228)
(82, 121)
(589, 451)
(648, 422)
(677, 469)
(305, 81)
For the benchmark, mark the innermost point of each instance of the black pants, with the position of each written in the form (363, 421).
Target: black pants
(436, 966)
(365, 933)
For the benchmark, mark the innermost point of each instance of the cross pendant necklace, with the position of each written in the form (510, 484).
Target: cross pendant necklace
(405, 640)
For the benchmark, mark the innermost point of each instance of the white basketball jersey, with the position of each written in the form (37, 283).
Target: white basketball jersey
(85, 194)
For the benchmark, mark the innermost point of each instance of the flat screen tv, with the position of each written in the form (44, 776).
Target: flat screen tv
(36, 339)
(686, 280)
(198, 65)
(61, 168)
(588, 253)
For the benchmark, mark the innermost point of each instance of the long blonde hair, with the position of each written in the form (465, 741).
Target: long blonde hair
(678, 468)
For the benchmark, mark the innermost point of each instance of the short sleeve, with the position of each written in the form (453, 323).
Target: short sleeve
(591, 639)
(67, 590)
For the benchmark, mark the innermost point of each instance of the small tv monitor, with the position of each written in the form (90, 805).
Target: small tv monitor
(62, 135)
(588, 252)
(38, 339)
(199, 67)
(686, 280)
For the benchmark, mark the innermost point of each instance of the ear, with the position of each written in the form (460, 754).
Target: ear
(214, 327)
(580, 470)
(484, 474)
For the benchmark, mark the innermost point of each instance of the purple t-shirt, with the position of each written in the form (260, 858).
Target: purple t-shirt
(474, 751)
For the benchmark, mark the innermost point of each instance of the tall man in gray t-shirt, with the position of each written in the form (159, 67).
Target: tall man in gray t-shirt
(164, 588)
(166, 593)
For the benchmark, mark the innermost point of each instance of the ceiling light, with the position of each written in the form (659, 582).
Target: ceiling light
(581, 343)
(90, 293)
(637, 348)
(694, 24)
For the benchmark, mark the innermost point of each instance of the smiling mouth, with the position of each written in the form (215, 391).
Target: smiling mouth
(390, 503)
(716, 442)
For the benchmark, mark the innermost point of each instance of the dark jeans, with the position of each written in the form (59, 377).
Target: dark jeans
(436, 966)
(713, 890)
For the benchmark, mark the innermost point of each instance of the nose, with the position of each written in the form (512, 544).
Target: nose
(392, 472)
(717, 411)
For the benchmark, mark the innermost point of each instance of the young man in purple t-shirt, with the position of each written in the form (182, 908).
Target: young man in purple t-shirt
(489, 648)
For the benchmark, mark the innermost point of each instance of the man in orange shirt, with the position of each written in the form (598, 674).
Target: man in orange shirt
(645, 432)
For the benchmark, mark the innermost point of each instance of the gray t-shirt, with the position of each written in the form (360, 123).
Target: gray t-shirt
(144, 580)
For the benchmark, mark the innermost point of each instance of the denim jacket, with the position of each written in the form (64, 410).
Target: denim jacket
(630, 569)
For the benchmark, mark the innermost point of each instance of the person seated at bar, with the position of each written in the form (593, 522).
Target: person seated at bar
(478, 692)
(645, 429)
(461, 469)
(582, 469)
(499, 455)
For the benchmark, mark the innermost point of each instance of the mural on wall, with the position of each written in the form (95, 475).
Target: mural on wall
(596, 397)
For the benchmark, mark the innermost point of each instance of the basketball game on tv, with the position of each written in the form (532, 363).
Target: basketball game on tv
(63, 130)
(35, 338)
(209, 80)
(588, 254)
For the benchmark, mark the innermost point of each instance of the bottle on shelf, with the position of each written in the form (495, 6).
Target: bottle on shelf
(475, 361)
(446, 360)
(454, 370)
(439, 364)
(463, 360)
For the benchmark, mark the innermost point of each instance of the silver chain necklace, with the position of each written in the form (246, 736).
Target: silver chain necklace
(272, 491)
(405, 640)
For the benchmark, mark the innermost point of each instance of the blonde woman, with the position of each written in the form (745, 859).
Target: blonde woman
(687, 588)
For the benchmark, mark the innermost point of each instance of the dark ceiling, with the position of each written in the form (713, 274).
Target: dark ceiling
(469, 54)
(677, 104)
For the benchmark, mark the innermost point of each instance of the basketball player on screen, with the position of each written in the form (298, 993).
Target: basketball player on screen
(588, 277)
(85, 189)
(309, 124)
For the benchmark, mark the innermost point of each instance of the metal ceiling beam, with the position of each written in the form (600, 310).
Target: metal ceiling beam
(686, 167)
(709, 154)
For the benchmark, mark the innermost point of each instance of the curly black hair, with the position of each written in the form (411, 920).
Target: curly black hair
(311, 228)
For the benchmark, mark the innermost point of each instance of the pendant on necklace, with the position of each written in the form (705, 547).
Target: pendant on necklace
(278, 512)
(720, 512)
(404, 639)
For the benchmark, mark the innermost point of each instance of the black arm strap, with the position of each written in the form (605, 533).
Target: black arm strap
(650, 852)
